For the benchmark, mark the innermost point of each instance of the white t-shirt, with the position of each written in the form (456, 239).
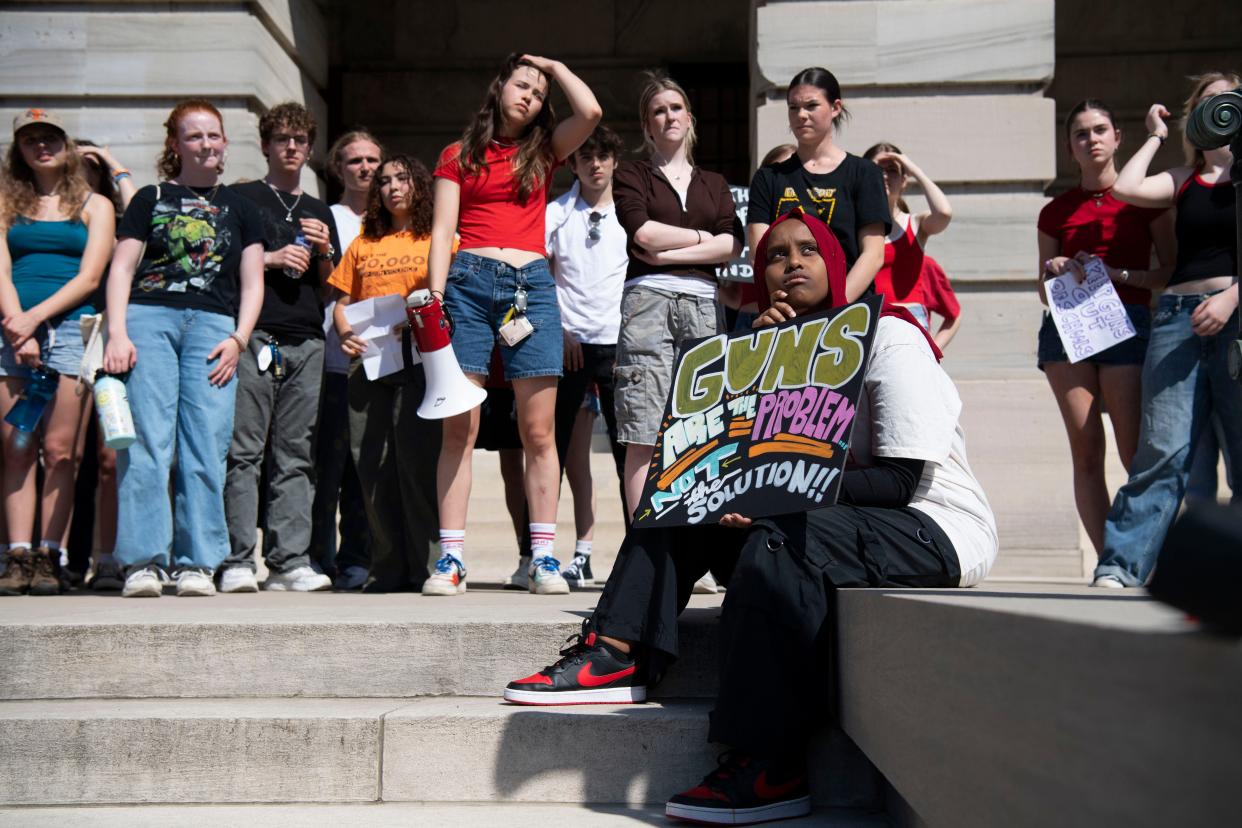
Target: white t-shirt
(910, 410)
(590, 273)
(348, 226)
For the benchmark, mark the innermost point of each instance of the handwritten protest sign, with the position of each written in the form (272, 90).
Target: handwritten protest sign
(739, 268)
(1089, 315)
(759, 422)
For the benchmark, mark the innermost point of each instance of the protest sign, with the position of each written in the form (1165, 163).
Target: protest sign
(1089, 315)
(758, 422)
(739, 268)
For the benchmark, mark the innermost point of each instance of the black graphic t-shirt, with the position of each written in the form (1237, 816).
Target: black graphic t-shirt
(195, 237)
(292, 309)
(847, 199)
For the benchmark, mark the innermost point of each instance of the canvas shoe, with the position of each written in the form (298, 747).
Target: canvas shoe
(449, 577)
(108, 576)
(299, 579)
(578, 573)
(545, 576)
(743, 790)
(588, 672)
(1108, 582)
(238, 579)
(195, 583)
(520, 579)
(147, 582)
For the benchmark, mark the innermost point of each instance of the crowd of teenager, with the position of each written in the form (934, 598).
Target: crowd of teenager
(224, 308)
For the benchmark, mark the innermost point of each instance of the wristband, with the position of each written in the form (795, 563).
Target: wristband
(239, 339)
(699, 235)
(1159, 138)
(437, 293)
(119, 174)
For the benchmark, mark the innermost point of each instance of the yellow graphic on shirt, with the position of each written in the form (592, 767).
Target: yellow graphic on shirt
(824, 200)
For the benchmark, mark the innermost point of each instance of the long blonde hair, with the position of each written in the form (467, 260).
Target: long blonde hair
(657, 83)
(18, 196)
(1194, 155)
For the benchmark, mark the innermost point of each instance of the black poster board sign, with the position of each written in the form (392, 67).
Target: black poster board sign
(759, 422)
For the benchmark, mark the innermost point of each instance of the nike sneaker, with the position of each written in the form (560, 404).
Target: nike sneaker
(589, 672)
(743, 790)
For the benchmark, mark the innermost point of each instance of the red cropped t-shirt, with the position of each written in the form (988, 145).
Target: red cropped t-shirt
(490, 214)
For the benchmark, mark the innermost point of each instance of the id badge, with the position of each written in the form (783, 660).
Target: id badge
(515, 330)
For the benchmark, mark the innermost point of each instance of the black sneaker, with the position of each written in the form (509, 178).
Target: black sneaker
(589, 672)
(743, 790)
(578, 573)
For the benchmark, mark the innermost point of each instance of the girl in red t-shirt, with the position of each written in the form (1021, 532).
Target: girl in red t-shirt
(491, 189)
(1076, 225)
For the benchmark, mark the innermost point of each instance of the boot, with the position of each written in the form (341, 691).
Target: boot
(15, 579)
(44, 578)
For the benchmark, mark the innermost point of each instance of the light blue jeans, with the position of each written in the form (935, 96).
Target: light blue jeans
(174, 405)
(1185, 380)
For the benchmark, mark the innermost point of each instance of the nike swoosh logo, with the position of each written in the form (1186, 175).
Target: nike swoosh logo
(767, 791)
(588, 679)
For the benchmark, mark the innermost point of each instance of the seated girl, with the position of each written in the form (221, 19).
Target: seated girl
(910, 514)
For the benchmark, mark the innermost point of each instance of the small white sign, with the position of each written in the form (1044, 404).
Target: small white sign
(1089, 315)
(375, 320)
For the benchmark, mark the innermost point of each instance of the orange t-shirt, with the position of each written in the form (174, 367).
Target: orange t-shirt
(393, 264)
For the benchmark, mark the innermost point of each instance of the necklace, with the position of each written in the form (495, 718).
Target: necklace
(1098, 195)
(665, 167)
(210, 198)
(289, 208)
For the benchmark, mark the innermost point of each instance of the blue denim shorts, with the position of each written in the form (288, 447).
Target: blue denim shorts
(65, 355)
(479, 294)
(1130, 352)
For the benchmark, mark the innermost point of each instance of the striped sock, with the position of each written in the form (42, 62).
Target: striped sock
(542, 539)
(453, 542)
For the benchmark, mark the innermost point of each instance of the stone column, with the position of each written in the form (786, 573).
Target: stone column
(959, 86)
(113, 74)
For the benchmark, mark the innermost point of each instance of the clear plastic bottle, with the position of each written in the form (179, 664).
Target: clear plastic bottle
(115, 420)
(27, 411)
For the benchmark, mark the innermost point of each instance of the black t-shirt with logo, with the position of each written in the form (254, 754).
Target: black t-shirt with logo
(194, 240)
(292, 308)
(846, 199)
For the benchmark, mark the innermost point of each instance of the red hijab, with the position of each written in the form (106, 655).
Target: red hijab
(834, 261)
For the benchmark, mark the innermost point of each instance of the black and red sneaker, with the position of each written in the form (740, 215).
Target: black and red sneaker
(589, 672)
(743, 790)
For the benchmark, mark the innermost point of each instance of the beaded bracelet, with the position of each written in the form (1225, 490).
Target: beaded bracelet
(119, 174)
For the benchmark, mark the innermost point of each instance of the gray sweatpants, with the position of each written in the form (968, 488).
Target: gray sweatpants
(281, 413)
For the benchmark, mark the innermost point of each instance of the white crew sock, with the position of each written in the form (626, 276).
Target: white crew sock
(453, 542)
(542, 539)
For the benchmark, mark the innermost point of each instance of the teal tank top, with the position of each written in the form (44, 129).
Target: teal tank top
(46, 255)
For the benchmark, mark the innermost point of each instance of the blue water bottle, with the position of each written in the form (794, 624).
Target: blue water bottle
(27, 411)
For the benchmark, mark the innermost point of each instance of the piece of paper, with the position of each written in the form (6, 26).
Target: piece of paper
(1089, 316)
(374, 320)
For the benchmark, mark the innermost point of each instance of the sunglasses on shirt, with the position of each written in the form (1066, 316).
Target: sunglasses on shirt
(593, 231)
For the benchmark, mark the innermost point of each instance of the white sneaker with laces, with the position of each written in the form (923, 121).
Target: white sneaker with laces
(194, 583)
(706, 585)
(545, 577)
(143, 583)
(520, 579)
(449, 577)
(301, 579)
(1108, 582)
(238, 579)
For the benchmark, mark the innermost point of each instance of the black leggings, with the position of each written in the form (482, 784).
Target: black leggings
(777, 624)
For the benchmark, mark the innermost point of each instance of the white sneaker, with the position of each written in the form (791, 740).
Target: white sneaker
(545, 577)
(1108, 582)
(520, 579)
(193, 583)
(144, 583)
(238, 579)
(448, 579)
(706, 585)
(301, 579)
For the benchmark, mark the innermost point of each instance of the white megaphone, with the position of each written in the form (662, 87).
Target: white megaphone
(448, 392)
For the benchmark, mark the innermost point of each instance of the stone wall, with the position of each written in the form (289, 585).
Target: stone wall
(113, 70)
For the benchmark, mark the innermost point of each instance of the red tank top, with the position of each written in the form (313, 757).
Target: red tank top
(898, 279)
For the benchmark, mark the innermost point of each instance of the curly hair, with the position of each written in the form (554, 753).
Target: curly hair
(338, 149)
(534, 159)
(290, 115)
(18, 195)
(602, 142)
(377, 222)
(168, 163)
(1194, 155)
(657, 83)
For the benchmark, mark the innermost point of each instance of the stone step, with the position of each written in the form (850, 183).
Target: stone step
(382, 815)
(317, 645)
(366, 750)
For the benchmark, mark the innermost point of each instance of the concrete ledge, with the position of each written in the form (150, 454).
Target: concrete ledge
(1065, 706)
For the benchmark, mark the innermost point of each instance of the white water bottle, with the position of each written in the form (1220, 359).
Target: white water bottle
(115, 420)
